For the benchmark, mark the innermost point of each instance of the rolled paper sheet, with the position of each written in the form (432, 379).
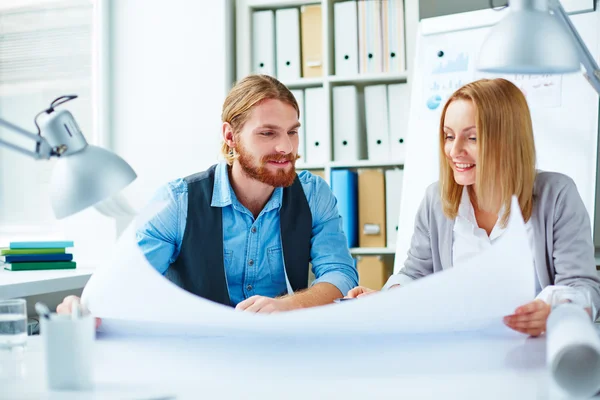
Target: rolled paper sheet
(573, 350)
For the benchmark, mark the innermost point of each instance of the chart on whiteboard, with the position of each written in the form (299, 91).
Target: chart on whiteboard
(447, 70)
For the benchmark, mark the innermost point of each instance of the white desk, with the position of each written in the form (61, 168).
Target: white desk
(14, 284)
(465, 366)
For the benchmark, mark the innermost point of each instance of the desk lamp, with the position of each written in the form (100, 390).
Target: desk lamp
(537, 37)
(84, 174)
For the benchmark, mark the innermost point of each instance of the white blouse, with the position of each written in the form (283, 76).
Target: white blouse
(468, 240)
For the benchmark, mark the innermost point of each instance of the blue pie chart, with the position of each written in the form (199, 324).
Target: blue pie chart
(434, 102)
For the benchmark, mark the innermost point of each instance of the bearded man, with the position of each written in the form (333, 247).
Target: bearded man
(244, 232)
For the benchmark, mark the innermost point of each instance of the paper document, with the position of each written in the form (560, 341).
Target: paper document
(467, 297)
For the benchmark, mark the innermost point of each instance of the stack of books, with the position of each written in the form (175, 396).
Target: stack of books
(24, 256)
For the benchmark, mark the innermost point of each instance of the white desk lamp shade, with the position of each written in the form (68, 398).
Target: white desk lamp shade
(87, 177)
(528, 41)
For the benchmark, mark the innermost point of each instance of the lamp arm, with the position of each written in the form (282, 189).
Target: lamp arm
(42, 148)
(592, 71)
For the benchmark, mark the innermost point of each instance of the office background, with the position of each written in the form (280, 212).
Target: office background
(151, 87)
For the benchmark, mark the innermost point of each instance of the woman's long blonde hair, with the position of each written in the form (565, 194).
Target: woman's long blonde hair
(506, 160)
(246, 94)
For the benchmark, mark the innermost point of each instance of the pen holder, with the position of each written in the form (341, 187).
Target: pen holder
(68, 345)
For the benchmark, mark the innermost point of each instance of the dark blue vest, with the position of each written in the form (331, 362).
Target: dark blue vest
(199, 267)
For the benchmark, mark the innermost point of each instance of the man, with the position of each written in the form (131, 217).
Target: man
(243, 232)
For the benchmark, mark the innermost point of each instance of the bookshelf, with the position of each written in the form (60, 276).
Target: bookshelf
(329, 79)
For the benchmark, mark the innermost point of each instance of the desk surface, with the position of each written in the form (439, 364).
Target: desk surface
(15, 284)
(465, 366)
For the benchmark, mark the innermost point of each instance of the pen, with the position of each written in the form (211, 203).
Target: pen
(42, 310)
(343, 299)
(75, 312)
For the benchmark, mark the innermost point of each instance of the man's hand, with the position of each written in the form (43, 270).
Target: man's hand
(67, 304)
(360, 291)
(529, 318)
(267, 305)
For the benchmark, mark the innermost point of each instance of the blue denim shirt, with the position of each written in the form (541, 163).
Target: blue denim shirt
(160, 239)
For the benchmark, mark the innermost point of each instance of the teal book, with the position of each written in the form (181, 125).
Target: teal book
(5, 251)
(31, 266)
(42, 245)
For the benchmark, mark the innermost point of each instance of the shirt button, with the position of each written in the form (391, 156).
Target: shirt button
(249, 287)
(251, 262)
(253, 229)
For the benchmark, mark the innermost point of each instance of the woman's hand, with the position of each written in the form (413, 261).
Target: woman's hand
(529, 318)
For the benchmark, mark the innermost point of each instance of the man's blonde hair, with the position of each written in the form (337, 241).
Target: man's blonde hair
(245, 94)
(506, 150)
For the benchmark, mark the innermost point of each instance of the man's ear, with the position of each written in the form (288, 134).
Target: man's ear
(228, 136)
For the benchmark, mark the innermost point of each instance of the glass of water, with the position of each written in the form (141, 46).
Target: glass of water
(13, 323)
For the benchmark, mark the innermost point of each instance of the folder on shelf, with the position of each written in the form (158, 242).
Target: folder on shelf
(346, 38)
(348, 143)
(376, 113)
(312, 41)
(393, 193)
(263, 43)
(371, 208)
(299, 95)
(373, 271)
(399, 112)
(319, 172)
(287, 43)
(344, 187)
(370, 41)
(318, 139)
(393, 35)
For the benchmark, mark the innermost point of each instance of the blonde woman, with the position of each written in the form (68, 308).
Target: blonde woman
(487, 154)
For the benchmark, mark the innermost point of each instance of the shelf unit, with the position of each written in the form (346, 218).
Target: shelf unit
(244, 10)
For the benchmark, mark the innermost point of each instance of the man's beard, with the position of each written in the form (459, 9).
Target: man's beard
(280, 178)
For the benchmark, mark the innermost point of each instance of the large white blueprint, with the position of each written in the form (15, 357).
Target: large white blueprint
(467, 297)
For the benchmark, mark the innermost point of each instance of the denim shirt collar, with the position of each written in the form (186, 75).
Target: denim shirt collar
(223, 194)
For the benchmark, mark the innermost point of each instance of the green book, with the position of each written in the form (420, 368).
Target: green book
(29, 266)
(6, 251)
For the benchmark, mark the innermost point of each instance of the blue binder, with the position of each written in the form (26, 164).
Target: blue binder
(344, 184)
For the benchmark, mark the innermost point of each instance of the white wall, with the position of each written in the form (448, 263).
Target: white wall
(159, 99)
(169, 73)
(158, 107)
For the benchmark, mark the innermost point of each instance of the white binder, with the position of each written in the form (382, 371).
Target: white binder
(393, 192)
(394, 56)
(318, 141)
(378, 133)
(287, 28)
(370, 37)
(263, 43)
(399, 111)
(299, 95)
(347, 143)
(346, 38)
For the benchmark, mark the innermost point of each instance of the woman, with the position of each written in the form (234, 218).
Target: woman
(487, 154)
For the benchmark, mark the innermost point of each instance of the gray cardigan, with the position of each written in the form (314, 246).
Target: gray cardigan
(565, 256)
